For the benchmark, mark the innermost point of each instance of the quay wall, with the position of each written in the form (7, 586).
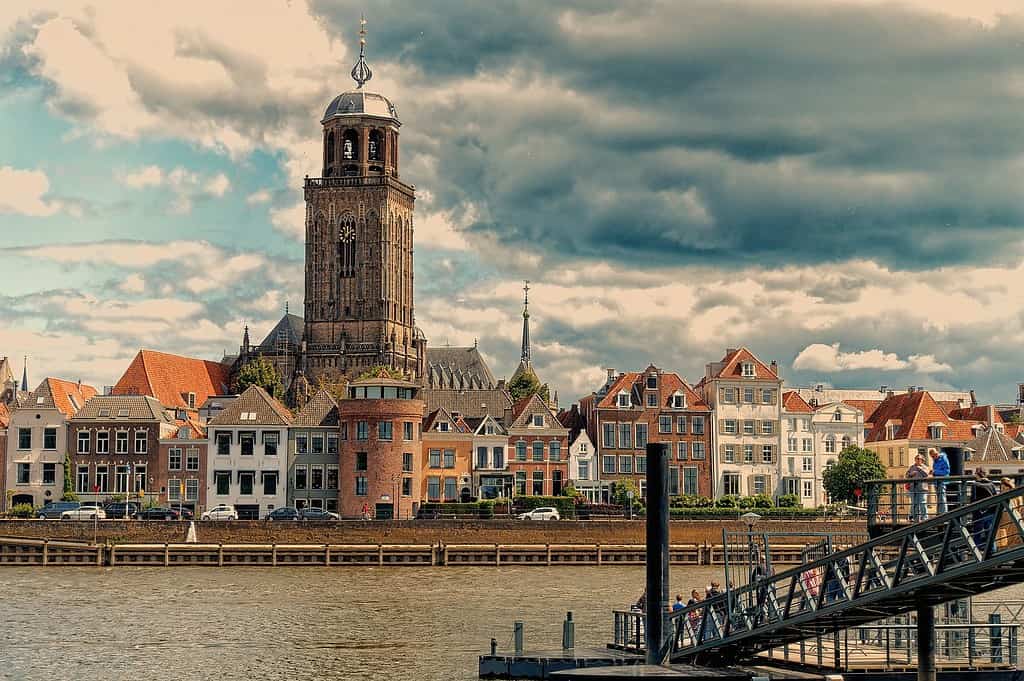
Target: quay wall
(702, 532)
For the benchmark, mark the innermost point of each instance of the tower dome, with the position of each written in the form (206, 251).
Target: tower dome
(360, 103)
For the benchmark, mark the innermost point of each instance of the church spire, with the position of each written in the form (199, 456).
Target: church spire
(24, 376)
(361, 73)
(524, 356)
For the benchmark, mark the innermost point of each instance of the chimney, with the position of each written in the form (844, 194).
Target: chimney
(729, 351)
(991, 415)
(974, 399)
(611, 374)
(818, 388)
(775, 367)
(910, 389)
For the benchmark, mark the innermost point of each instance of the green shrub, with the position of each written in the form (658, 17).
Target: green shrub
(788, 501)
(734, 513)
(756, 501)
(22, 511)
(69, 496)
(692, 501)
(727, 501)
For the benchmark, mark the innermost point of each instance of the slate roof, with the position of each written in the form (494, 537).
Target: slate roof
(320, 411)
(574, 420)
(291, 327)
(458, 368)
(135, 408)
(731, 365)
(472, 403)
(170, 378)
(990, 446)
(255, 400)
(792, 402)
(65, 396)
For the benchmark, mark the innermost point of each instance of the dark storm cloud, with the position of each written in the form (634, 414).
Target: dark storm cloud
(721, 132)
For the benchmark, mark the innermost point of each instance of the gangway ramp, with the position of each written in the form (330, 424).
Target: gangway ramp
(973, 549)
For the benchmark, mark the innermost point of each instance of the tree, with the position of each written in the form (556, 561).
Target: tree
(527, 384)
(621, 490)
(335, 383)
(854, 467)
(261, 372)
(381, 371)
(69, 483)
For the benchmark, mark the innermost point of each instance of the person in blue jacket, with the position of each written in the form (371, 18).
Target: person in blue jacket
(940, 469)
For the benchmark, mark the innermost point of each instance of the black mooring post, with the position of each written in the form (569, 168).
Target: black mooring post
(657, 549)
(925, 642)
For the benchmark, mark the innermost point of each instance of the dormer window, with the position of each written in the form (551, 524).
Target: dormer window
(538, 420)
(443, 427)
(748, 370)
(489, 429)
(104, 413)
(679, 401)
(890, 432)
(935, 432)
(652, 382)
(623, 400)
(191, 400)
(185, 433)
(40, 400)
(122, 413)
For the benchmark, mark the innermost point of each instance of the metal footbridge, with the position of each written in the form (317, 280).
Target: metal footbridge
(972, 549)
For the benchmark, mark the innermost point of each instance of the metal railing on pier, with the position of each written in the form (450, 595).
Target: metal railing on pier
(900, 502)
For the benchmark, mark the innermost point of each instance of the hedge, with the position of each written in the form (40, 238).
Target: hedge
(476, 509)
(686, 513)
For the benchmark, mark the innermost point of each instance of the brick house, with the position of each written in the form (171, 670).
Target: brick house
(446, 457)
(654, 406)
(538, 447)
(114, 444)
(181, 466)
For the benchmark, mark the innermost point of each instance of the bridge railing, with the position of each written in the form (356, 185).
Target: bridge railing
(898, 502)
(629, 631)
(960, 542)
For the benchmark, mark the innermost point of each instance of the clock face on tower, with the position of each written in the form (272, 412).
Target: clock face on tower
(348, 233)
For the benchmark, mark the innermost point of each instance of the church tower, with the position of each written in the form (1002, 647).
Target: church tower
(359, 242)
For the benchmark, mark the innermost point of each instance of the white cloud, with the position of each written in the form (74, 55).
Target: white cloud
(290, 221)
(261, 196)
(218, 185)
(826, 358)
(133, 283)
(149, 176)
(22, 192)
(185, 185)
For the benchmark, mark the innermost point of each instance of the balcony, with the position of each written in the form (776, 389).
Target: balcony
(359, 181)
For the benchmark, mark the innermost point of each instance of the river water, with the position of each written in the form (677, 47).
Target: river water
(410, 623)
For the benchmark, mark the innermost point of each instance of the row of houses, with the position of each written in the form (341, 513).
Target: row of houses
(169, 430)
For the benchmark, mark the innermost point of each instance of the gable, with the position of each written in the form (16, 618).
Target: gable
(732, 366)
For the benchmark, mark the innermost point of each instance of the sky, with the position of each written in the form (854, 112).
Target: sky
(833, 184)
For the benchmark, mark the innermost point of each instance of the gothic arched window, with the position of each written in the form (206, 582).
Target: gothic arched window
(350, 146)
(347, 245)
(376, 146)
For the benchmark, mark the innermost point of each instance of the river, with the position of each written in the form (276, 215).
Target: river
(306, 623)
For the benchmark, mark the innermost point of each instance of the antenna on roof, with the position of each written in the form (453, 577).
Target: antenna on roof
(286, 307)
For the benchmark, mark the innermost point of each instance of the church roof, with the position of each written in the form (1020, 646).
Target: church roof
(289, 329)
(461, 368)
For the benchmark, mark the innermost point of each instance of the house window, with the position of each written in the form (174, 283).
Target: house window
(191, 490)
(407, 462)
(623, 400)
(270, 440)
(246, 482)
(361, 486)
(554, 450)
(935, 432)
(689, 480)
(443, 427)
(316, 477)
(846, 441)
(625, 436)
(729, 426)
(808, 489)
(830, 445)
(141, 442)
(121, 479)
(538, 420)
(449, 458)
(301, 477)
(538, 450)
(608, 463)
(807, 445)
(223, 444)
(481, 457)
(664, 424)
(673, 481)
(174, 459)
(625, 464)
(50, 438)
(748, 453)
(760, 485)
(729, 395)
(332, 476)
(748, 370)
(698, 451)
(748, 396)
(748, 427)
(406, 487)
(301, 443)
(838, 416)
(766, 453)
(791, 444)
(679, 401)
(362, 430)
(103, 442)
(192, 460)
(808, 464)
(641, 464)
(538, 483)
(652, 381)
(652, 399)
(521, 483)
(731, 483)
(609, 435)
(499, 457)
(332, 444)
(24, 438)
(361, 461)
(433, 488)
(407, 430)
(191, 400)
(83, 442)
(730, 453)
(521, 450)
(767, 427)
(583, 470)
(450, 492)
(682, 450)
(174, 489)
(24, 473)
(583, 448)
(641, 435)
(316, 442)
(434, 458)
(697, 425)
(767, 396)
(102, 479)
(82, 482)
(248, 442)
(385, 430)
(121, 442)
(681, 425)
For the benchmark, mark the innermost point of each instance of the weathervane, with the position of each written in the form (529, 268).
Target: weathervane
(361, 73)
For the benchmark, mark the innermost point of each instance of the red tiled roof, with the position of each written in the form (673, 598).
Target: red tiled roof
(791, 401)
(170, 378)
(519, 407)
(866, 406)
(62, 392)
(732, 365)
(1013, 429)
(669, 383)
(975, 414)
(913, 413)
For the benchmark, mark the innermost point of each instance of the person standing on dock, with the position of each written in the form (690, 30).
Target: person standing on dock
(940, 469)
(918, 507)
(981, 488)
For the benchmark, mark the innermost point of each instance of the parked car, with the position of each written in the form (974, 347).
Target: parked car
(283, 513)
(317, 514)
(53, 511)
(119, 510)
(542, 513)
(84, 513)
(221, 512)
(158, 513)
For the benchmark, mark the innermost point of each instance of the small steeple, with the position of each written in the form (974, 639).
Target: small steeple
(245, 339)
(24, 376)
(524, 356)
(361, 73)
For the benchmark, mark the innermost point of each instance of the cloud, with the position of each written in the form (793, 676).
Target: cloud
(186, 186)
(23, 191)
(827, 358)
(260, 196)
